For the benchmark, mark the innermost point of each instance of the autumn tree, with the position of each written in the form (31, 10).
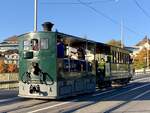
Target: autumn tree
(113, 42)
(140, 60)
(11, 68)
(2, 66)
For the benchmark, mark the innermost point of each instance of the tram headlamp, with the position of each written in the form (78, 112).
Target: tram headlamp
(28, 55)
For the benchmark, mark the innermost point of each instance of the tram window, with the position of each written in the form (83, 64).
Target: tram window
(123, 58)
(127, 58)
(44, 43)
(35, 44)
(81, 53)
(115, 58)
(112, 57)
(26, 45)
(119, 57)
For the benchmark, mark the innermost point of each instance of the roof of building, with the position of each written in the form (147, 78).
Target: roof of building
(12, 39)
(143, 41)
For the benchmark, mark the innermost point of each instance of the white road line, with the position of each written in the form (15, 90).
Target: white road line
(116, 89)
(141, 95)
(103, 92)
(140, 79)
(10, 99)
(67, 102)
(56, 105)
(52, 106)
(129, 91)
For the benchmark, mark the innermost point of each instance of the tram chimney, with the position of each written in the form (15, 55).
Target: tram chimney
(47, 26)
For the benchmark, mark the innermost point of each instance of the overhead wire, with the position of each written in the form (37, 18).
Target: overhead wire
(108, 17)
(77, 3)
(142, 9)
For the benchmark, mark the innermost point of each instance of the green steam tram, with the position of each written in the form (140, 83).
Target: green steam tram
(55, 65)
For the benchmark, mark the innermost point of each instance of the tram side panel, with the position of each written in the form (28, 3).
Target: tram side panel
(75, 76)
(120, 65)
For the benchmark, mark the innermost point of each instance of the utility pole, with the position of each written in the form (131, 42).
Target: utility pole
(147, 53)
(121, 26)
(35, 15)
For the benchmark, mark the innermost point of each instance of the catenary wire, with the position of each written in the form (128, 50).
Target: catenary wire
(108, 18)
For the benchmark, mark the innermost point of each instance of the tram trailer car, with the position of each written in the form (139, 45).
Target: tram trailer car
(54, 65)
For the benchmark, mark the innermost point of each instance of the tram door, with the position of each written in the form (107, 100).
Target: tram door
(103, 62)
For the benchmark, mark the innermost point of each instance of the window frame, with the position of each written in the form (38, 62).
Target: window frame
(47, 44)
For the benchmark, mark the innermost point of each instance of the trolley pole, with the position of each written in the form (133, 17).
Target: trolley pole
(35, 15)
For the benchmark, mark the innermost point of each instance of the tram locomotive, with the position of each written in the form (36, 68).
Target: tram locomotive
(55, 65)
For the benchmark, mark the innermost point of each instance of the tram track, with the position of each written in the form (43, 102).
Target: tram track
(84, 101)
(32, 105)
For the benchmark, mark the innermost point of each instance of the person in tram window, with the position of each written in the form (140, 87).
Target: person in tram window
(81, 53)
(34, 44)
(60, 48)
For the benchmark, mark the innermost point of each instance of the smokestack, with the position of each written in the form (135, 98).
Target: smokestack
(47, 26)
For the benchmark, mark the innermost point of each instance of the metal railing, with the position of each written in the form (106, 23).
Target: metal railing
(9, 84)
(138, 75)
(10, 80)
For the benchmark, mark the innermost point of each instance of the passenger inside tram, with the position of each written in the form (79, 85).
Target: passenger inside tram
(81, 53)
(60, 48)
(34, 44)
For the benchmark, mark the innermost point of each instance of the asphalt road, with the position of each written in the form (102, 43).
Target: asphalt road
(132, 98)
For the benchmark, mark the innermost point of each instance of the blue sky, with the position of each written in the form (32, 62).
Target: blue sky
(76, 19)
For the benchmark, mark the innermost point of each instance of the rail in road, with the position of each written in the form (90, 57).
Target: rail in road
(134, 97)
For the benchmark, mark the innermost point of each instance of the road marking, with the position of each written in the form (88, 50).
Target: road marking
(140, 79)
(128, 91)
(10, 99)
(56, 105)
(68, 102)
(141, 95)
(129, 85)
(103, 92)
(52, 106)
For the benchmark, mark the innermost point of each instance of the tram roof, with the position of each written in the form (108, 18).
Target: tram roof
(72, 37)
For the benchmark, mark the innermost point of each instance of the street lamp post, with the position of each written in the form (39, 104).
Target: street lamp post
(147, 53)
(121, 26)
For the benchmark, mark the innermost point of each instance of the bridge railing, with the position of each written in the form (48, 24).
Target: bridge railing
(10, 80)
(142, 74)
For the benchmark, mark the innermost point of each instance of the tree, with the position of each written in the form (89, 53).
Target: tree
(113, 42)
(140, 60)
(11, 68)
(2, 66)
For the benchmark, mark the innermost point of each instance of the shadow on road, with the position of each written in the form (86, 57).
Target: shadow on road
(125, 94)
